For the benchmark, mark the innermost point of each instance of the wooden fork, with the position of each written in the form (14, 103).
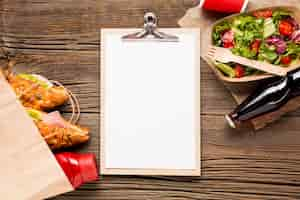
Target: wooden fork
(225, 55)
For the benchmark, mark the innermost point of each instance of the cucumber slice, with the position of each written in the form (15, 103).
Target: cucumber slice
(226, 69)
(269, 27)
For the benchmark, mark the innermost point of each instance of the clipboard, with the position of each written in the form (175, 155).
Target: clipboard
(150, 101)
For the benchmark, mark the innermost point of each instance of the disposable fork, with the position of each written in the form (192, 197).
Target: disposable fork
(225, 55)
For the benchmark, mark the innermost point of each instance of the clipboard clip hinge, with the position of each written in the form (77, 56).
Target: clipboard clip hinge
(150, 32)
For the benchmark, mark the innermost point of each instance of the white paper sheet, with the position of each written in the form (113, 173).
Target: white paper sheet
(151, 102)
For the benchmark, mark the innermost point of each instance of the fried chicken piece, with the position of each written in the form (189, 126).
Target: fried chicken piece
(57, 132)
(37, 92)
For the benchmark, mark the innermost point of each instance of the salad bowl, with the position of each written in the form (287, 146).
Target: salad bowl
(277, 43)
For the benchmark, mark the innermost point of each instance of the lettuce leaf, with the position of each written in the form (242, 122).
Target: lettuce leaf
(246, 29)
(218, 31)
(248, 23)
(267, 53)
(244, 52)
(34, 114)
(293, 48)
(34, 79)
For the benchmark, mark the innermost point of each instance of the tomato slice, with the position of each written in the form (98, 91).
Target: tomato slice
(228, 45)
(255, 45)
(239, 71)
(285, 28)
(263, 14)
(286, 60)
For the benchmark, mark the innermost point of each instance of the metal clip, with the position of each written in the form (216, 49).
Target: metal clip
(150, 32)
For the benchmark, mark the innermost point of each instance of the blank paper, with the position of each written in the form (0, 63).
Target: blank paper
(150, 102)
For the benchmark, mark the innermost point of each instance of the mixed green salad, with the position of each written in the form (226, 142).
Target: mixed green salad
(271, 36)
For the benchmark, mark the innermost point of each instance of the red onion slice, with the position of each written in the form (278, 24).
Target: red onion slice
(278, 42)
(228, 36)
(296, 36)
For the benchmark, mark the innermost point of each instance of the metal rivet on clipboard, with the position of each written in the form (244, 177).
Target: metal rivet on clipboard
(150, 32)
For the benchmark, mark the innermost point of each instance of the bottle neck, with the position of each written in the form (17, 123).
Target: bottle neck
(263, 100)
(294, 81)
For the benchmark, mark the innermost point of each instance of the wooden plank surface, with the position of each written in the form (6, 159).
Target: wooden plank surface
(60, 39)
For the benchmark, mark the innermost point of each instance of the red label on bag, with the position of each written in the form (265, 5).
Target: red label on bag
(79, 168)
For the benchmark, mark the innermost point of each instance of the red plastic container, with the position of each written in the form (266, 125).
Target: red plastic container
(224, 6)
(79, 168)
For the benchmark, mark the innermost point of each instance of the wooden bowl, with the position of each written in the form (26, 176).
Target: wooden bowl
(250, 80)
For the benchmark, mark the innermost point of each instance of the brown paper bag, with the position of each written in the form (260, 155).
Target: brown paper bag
(28, 169)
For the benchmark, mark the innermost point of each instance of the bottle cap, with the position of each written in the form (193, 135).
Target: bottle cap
(230, 121)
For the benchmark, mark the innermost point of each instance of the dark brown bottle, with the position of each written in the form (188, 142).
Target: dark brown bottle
(266, 98)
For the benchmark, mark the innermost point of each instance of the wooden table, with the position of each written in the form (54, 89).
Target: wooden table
(61, 38)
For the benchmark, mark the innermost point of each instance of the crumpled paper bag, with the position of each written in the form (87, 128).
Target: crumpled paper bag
(28, 169)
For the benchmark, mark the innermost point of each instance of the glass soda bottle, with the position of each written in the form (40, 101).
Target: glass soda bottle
(265, 99)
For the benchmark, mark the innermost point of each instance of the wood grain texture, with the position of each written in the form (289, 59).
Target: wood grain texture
(60, 39)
